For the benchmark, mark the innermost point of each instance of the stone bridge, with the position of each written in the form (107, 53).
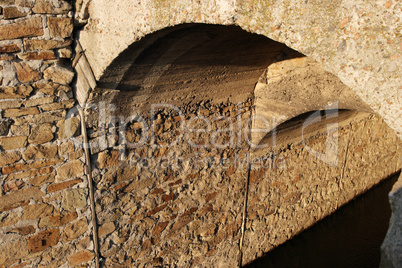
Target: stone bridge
(191, 133)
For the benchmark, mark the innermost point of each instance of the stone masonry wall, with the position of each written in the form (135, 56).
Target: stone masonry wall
(182, 206)
(43, 192)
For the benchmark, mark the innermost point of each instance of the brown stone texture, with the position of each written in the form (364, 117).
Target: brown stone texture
(43, 240)
(7, 158)
(10, 143)
(159, 228)
(41, 134)
(10, 48)
(4, 127)
(74, 230)
(106, 229)
(20, 112)
(15, 92)
(60, 27)
(19, 196)
(73, 199)
(71, 169)
(13, 186)
(57, 220)
(13, 12)
(40, 151)
(45, 44)
(41, 179)
(49, 7)
(9, 219)
(11, 251)
(25, 28)
(20, 130)
(80, 257)
(26, 230)
(25, 73)
(36, 211)
(59, 75)
(108, 159)
(32, 165)
(68, 128)
(63, 185)
(41, 55)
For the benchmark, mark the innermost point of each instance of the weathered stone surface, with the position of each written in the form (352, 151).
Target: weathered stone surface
(19, 196)
(26, 230)
(63, 185)
(106, 229)
(106, 159)
(13, 186)
(74, 230)
(10, 104)
(57, 220)
(26, 28)
(42, 179)
(73, 199)
(15, 92)
(52, 88)
(41, 55)
(49, 7)
(20, 112)
(60, 27)
(66, 148)
(43, 240)
(159, 228)
(80, 257)
(10, 143)
(59, 75)
(40, 151)
(38, 101)
(45, 117)
(8, 219)
(41, 134)
(10, 48)
(20, 130)
(33, 165)
(37, 211)
(12, 250)
(13, 12)
(71, 169)
(25, 3)
(25, 73)
(68, 128)
(65, 53)
(45, 44)
(59, 105)
(4, 127)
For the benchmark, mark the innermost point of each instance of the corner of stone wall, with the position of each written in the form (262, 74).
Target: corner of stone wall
(44, 219)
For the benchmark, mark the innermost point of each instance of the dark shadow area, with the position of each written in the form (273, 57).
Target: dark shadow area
(351, 237)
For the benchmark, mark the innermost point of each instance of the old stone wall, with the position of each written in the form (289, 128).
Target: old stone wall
(43, 195)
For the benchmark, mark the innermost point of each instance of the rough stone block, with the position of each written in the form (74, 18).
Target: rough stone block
(72, 169)
(36, 211)
(25, 73)
(41, 55)
(43, 240)
(42, 179)
(20, 112)
(19, 196)
(57, 220)
(74, 230)
(26, 28)
(12, 250)
(63, 185)
(41, 134)
(106, 229)
(59, 75)
(45, 44)
(60, 27)
(13, 12)
(73, 199)
(80, 257)
(40, 151)
(20, 130)
(11, 143)
(49, 7)
(7, 158)
(15, 92)
(4, 127)
(33, 165)
(10, 48)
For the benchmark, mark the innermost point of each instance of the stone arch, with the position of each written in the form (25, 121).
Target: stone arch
(344, 37)
(162, 202)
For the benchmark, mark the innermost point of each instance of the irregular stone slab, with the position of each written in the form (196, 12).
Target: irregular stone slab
(25, 28)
